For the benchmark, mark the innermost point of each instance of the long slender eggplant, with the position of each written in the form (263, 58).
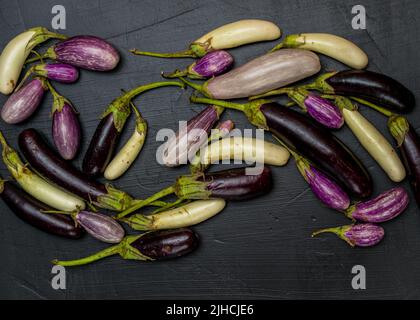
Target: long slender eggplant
(23, 103)
(105, 138)
(31, 211)
(184, 216)
(310, 140)
(211, 65)
(331, 45)
(35, 185)
(265, 73)
(409, 144)
(234, 184)
(62, 173)
(15, 53)
(231, 35)
(368, 87)
(60, 72)
(360, 235)
(187, 141)
(388, 205)
(86, 52)
(149, 246)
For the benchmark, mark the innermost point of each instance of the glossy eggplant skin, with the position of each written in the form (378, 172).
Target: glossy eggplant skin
(29, 209)
(51, 166)
(320, 146)
(101, 147)
(373, 87)
(410, 150)
(235, 184)
(166, 244)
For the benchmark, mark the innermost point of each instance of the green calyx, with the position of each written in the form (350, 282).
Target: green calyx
(291, 41)
(124, 249)
(189, 187)
(349, 211)
(201, 49)
(141, 124)
(188, 72)
(114, 199)
(398, 127)
(299, 96)
(341, 102)
(41, 35)
(140, 222)
(58, 100)
(12, 160)
(339, 231)
(320, 83)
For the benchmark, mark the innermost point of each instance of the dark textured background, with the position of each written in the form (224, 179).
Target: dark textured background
(256, 249)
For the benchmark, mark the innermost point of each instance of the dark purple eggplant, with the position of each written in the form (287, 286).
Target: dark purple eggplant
(31, 211)
(211, 65)
(409, 145)
(366, 85)
(105, 138)
(233, 184)
(86, 52)
(310, 140)
(52, 167)
(23, 103)
(149, 246)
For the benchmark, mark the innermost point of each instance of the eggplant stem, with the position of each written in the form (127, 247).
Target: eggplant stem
(277, 47)
(176, 74)
(382, 110)
(26, 76)
(171, 205)
(271, 93)
(137, 204)
(181, 54)
(195, 86)
(97, 256)
(140, 89)
(221, 103)
(339, 231)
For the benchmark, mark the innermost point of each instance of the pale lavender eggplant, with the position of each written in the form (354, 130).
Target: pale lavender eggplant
(326, 190)
(360, 235)
(86, 52)
(324, 111)
(61, 72)
(188, 140)
(100, 226)
(66, 131)
(384, 207)
(23, 103)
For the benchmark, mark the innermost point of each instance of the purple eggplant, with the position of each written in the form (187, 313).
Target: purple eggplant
(388, 205)
(86, 52)
(375, 88)
(233, 184)
(185, 144)
(107, 133)
(310, 140)
(23, 103)
(360, 235)
(66, 130)
(212, 64)
(100, 226)
(149, 246)
(409, 143)
(52, 167)
(32, 211)
(265, 73)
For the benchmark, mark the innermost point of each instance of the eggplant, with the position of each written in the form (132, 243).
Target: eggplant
(310, 140)
(100, 226)
(63, 174)
(233, 184)
(86, 52)
(409, 144)
(211, 65)
(107, 133)
(388, 205)
(31, 211)
(372, 87)
(23, 103)
(149, 246)
(265, 73)
(360, 235)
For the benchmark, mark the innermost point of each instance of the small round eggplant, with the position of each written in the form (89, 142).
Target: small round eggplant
(360, 235)
(388, 205)
(86, 52)
(23, 103)
(149, 246)
(32, 211)
(100, 226)
(211, 65)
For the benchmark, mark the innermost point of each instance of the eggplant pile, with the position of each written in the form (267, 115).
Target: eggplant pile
(54, 196)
